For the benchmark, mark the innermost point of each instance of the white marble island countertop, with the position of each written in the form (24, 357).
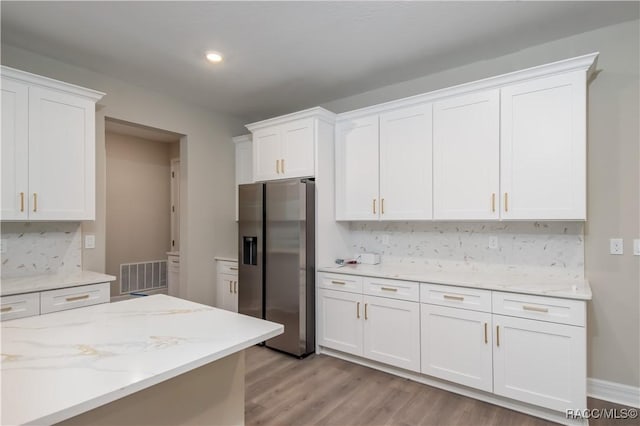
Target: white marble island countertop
(59, 365)
(42, 282)
(535, 281)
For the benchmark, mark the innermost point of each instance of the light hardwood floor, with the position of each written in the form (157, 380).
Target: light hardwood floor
(322, 390)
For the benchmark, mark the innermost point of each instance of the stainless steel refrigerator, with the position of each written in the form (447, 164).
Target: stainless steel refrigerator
(276, 276)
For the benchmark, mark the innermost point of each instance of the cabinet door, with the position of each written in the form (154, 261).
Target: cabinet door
(340, 321)
(15, 150)
(406, 164)
(543, 148)
(227, 292)
(357, 169)
(298, 148)
(456, 345)
(61, 156)
(466, 157)
(392, 332)
(173, 276)
(267, 154)
(540, 363)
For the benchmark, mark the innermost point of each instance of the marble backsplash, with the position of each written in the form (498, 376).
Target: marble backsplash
(554, 246)
(40, 248)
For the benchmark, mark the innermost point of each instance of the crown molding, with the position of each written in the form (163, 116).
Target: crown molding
(316, 112)
(241, 139)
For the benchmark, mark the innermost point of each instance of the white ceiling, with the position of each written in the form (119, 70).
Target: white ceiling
(285, 56)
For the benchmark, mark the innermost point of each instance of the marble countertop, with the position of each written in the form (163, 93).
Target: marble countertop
(33, 283)
(536, 281)
(59, 365)
(227, 259)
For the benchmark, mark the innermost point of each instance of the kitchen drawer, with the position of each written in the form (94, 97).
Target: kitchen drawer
(74, 297)
(225, 267)
(563, 311)
(458, 297)
(351, 283)
(173, 262)
(19, 306)
(393, 289)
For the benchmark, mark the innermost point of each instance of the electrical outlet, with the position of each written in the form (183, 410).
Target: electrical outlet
(493, 242)
(616, 246)
(636, 247)
(89, 241)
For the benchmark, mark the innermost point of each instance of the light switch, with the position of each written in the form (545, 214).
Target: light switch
(89, 241)
(636, 247)
(616, 246)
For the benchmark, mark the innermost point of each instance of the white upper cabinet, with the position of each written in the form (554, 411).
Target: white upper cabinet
(357, 169)
(244, 163)
(466, 151)
(543, 148)
(15, 150)
(285, 147)
(49, 174)
(405, 164)
(383, 166)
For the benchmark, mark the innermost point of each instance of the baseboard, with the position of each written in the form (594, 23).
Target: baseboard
(614, 392)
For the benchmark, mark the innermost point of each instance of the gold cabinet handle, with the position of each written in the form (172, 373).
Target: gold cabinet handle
(278, 166)
(282, 165)
(338, 282)
(22, 201)
(75, 298)
(506, 201)
(486, 340)
(535, 309)
(230, 286)
(235, 287)
(233, 268)
(388, 289)
(493, 202)
(365, 311)
(382, 206)
(374, 206)
(449, 297)
(358, 310)
(497, 335)
(35, 202)
(7, 309)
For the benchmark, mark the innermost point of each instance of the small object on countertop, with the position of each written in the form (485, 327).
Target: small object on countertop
(369, 258)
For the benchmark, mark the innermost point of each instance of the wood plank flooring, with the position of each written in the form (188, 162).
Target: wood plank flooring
(322, 390)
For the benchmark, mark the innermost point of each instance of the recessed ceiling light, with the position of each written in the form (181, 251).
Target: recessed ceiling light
(214, 57)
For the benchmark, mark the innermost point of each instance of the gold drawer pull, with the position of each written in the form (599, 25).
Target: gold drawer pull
(382, 206)
(74, 298)
(535, 309)
(388, 289)
(233, 268)
(7, 309)
(449, 297)
(497, 335)
(35, 202)
(278, 166)
(22, 201)
(493, 202)
(486, 340)
(282, 165)
(365, 311)
(358, 310)
(506, 201)
(338, 282)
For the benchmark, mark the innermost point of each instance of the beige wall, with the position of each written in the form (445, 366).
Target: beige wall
(207, 192)
(138, 201)
(613, 179)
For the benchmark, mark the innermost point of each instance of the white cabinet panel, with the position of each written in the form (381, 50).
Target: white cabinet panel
(405, 164)
(298, 158)
(341, 282)
(393, 289)
(19, 306)
(357, 169)
(266, 154)
(466, 151)
(456, 345)
(540, 363)
(392, 332)
(339, 321)
(543, 148)
(173, 275)
(456, 297)
(15, 150)
(227, 285)
(74, 297)
(540, 308)
(244, 163)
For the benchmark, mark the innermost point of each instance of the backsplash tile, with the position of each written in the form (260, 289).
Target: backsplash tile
(41, 247)
(554, 246)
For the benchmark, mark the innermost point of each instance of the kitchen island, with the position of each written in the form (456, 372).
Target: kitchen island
(151, 360)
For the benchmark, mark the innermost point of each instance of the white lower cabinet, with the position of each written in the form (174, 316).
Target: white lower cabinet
(19, 306)
(227, 285)
(456, 345)
(539, 362)
(383, 329)
(173, 275)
